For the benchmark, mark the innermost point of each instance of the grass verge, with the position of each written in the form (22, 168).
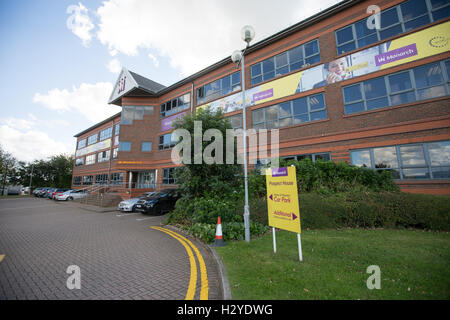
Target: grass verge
(413, 263)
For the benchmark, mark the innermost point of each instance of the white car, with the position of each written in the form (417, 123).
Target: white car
(128, 205)
(71, 194)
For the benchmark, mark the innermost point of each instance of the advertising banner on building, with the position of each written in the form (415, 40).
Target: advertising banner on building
(167, 123)
(415, 46)
(94, 148)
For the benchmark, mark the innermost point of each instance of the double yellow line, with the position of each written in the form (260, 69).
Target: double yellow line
(190, 294)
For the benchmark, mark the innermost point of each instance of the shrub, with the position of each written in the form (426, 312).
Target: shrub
(230, 230)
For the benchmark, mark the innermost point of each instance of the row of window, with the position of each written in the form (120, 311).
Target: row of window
(412, 161)
(126, 146)
(115, 178)
(219, 88)
(401, 18)
(175, 105)
(293, 59)
(131, 113)
(102, 156)
(424, 82)
(104, 134)
(289, 113)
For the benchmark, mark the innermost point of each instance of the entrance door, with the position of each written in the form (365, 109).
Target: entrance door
(146, 180)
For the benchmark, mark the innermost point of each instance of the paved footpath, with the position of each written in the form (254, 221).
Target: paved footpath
(120, 256)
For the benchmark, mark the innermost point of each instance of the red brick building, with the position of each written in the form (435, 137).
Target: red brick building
(337, 86)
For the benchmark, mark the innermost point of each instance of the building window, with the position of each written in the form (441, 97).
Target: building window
(101, 179)
(117, 129)
(116, 178)
(396, 20)
(288, 61)
(167, 141)
(115, 150)
(219, 88)
(412, 161)
(169, 176)
(79, 162)
(90, 159)
(131, 113)
(146, 146)
(421, 83)
(81, 144)
(175, 105)
(92, 139)
(289, 113)
(88, 180)
(105, 134)
(124, 146)
(236, 121)
(103, 156)
(77, 181)
(324, 156)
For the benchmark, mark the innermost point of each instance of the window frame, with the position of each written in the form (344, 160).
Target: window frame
(217, 93)
(167, 179)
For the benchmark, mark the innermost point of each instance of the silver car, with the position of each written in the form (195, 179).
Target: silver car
(71, 194)
(128, 205)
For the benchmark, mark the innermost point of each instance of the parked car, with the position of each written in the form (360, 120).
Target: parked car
(72, 194)
(129, 204)
(41, 193)
(48, 193)
(36, 191)
(58, 191)
(159, 202)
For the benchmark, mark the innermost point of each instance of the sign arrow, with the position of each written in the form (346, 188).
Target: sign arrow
(294, 216)
(271, 197)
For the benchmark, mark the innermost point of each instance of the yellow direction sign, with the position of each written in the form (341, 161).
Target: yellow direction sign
(282, 199)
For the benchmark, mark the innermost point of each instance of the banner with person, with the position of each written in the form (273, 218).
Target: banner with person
(415, 46)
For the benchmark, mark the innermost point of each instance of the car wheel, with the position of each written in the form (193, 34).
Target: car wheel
(70, 198)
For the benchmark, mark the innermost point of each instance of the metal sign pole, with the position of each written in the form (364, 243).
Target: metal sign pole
(274, 241)
(299, 239)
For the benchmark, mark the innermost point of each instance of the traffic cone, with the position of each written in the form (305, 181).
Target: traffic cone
(218, 242)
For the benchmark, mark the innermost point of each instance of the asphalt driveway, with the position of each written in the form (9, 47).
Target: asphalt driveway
(118, 256)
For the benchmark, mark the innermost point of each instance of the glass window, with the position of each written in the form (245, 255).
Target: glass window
(166, 141)
(127, 115)
(361, 158)
(81, 144)
(352, 93)
(90, 159)
(88, 180)
(169, 176)
(117, 129)
(146, 146)
(236, 121)
(300, 106)
(439, 153)
(105, 134)
(124, 146)
(116, 178)
(412, 155)
(400, 81)
(385, 157)
(103, 156)
(403, 17)
(218, 88)
(92, 139)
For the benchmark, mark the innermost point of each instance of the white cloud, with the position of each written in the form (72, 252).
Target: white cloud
(30, 145)
(90, 100)
(154, 59)
(194, 34)
(80, 23)
(17, 123)
(114, 66)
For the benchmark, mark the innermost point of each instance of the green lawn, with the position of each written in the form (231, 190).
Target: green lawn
(414, 265)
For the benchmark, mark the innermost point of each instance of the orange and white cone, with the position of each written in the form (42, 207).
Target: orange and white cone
(218, 242)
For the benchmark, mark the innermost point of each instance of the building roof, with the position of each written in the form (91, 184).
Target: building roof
(147, 84)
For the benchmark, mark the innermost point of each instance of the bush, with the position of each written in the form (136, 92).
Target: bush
(366, 210)
(328, 177)
(230, 231)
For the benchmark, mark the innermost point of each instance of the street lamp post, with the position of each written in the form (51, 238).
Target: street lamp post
(247, 34)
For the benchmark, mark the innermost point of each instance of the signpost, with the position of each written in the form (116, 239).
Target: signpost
(282, 203)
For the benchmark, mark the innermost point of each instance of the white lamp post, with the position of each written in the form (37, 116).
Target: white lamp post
(247, 34)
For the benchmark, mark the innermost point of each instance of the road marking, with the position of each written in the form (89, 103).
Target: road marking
(1, 257)
(204, 289)
(193, 279)
(142, 219)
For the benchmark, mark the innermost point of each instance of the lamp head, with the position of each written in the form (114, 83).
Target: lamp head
(247, 33)
(236, 56)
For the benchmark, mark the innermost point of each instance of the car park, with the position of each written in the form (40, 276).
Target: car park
(129, 204)
(159, 202)
(71, 195)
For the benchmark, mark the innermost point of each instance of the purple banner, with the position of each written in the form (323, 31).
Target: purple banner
(397, 54)
(280, 172)
(263, 95)
(166, 124)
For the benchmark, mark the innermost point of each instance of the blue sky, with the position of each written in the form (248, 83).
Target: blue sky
(56, 80)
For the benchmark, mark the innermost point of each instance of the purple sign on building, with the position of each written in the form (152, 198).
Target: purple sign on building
(279, 172)
(263, 95)
(397, 54)
(167, 123)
